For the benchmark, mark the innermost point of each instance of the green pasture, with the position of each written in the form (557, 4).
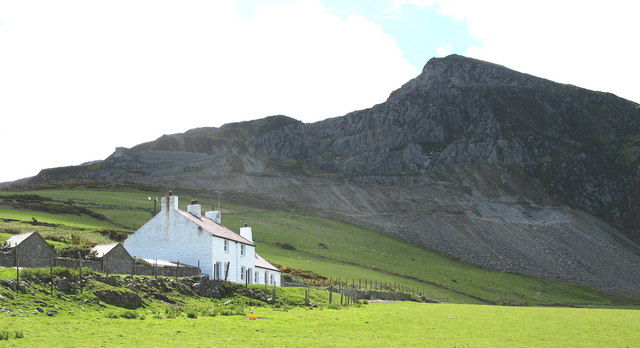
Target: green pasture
(81, 221)
(333, 249)
(403, 324)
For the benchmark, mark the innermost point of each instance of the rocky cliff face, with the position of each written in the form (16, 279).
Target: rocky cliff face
(474, 160)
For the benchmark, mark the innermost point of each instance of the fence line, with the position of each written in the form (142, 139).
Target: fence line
(103, 266)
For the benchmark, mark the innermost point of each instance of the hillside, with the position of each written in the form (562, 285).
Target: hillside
(470, 159)
(334, 250)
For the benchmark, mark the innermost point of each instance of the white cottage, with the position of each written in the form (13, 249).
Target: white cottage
(192, 239)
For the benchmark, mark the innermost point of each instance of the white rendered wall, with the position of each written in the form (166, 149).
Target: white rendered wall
(233, 256)
(170, 236)
(265, 276)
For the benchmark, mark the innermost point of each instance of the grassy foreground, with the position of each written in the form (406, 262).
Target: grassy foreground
(377, 324)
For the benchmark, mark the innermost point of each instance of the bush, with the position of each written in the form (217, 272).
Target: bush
(129, 314)
(115, 235)
(232, 311)
(285, 245)
(10, 230)
(19, 334)
(192, 314)
(60, 272)
(71, 251)
(35, 273)
(4, 335)
(172, 312)
(112, 315)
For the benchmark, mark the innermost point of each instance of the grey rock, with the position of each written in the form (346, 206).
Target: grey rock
(119, 298)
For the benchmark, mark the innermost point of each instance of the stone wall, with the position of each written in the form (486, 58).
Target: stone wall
(104, 266)
(124, 267)
(382, 295)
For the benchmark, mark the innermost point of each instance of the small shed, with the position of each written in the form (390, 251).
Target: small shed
(30, 250)
(115, 258)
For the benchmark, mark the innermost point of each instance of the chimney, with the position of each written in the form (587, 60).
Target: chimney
(245, 232)
(214, 215)
(194, 208)
(169, 202)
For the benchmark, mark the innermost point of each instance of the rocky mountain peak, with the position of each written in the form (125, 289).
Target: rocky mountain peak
(455, 71)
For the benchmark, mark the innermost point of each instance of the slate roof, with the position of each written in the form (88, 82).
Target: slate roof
(18, 238)
(215, 229)
(103, 249)
(262, 263)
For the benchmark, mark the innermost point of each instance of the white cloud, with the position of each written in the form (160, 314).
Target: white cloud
(591, 44)
(81, 77)
(443, 50)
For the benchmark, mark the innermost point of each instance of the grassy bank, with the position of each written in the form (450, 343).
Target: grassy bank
(333, 249)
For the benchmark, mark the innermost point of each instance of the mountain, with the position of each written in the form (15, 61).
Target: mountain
(471, 159)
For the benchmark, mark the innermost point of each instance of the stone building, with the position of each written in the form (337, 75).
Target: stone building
(114, 258)
(28, 250)
(193, 239)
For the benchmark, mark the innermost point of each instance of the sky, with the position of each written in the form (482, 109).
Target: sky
(79, 78)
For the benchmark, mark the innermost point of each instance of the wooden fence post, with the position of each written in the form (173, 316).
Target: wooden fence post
(17, 267)
(330, 293)
(306, 296)
(80, 267)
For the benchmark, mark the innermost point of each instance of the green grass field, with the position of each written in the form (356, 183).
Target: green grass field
(403, 324)
(331, 248)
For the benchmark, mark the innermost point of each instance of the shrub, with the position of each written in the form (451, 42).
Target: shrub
(232, 311)
(129, 314)
(71, 251)
(35, 273)
(172, 312)
(285, 245)
(192, 314)
(19, 334)
(115, 235)
(112, 315)
(4, 335)
(10, 230)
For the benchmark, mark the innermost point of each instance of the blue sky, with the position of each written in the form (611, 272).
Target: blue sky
(81, 77)
(419, 32)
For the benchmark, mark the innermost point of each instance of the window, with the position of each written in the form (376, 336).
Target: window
(226, 246)
(256, 278)
(242, 272)
(241, 249)
(272, 280)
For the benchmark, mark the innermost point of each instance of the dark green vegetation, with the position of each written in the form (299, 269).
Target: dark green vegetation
(329, 248)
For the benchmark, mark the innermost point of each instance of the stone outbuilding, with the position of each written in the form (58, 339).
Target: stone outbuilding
(29, 250)
(114, 258)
